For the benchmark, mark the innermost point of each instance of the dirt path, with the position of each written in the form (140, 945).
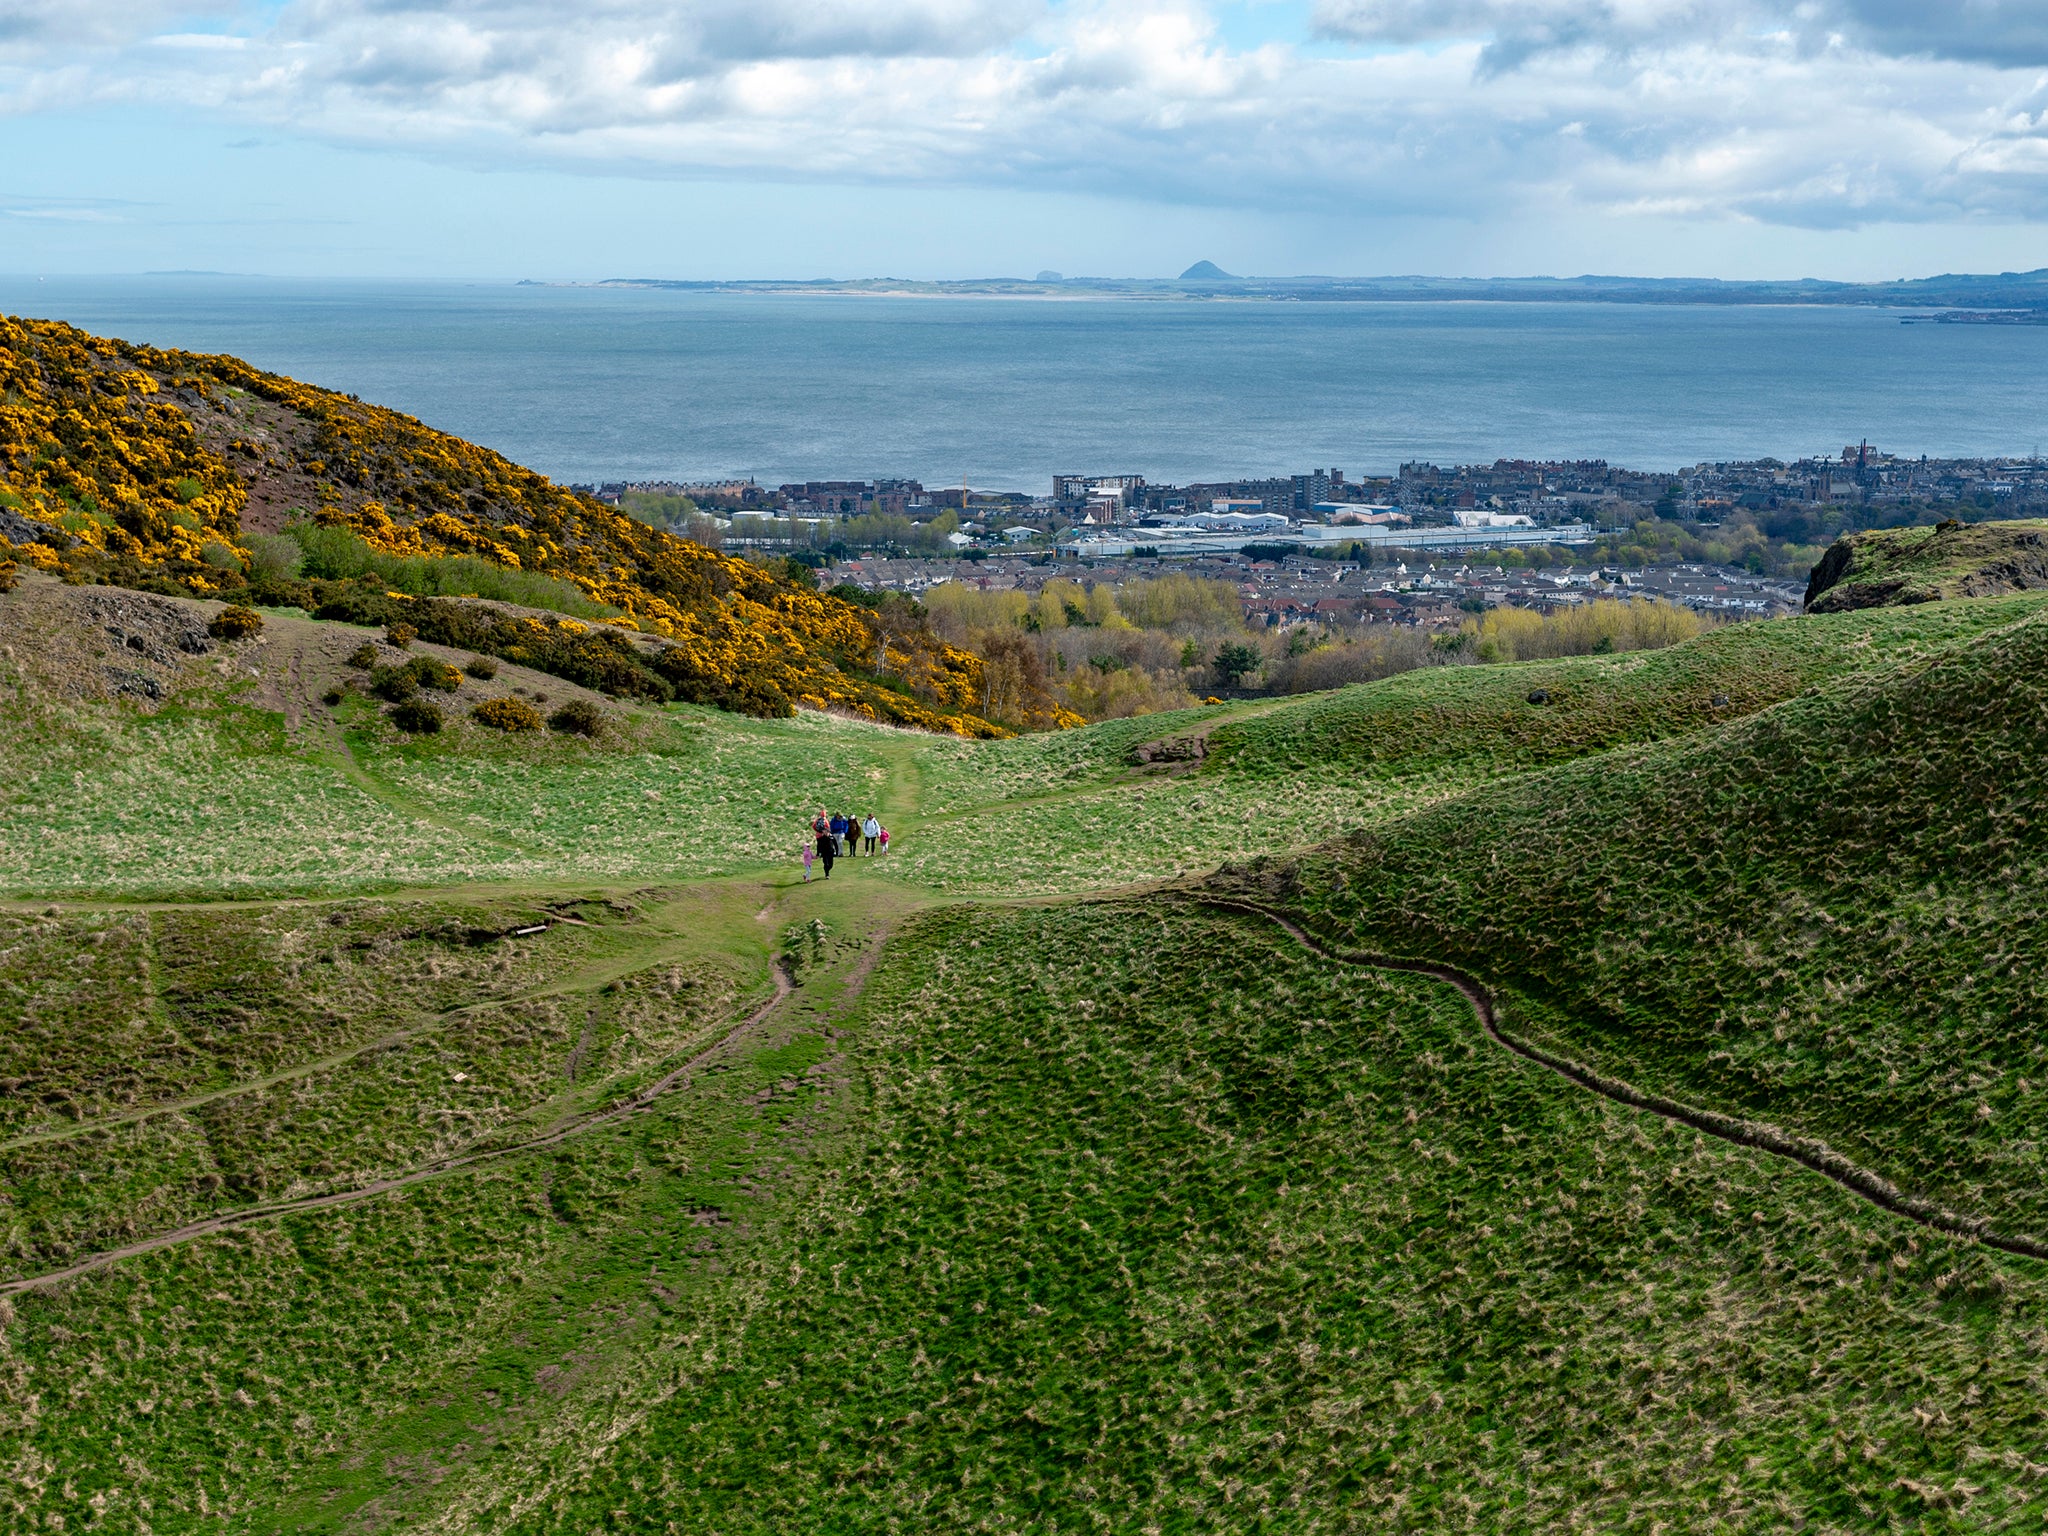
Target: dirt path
(638, 1103)
(583, 979)
(1805, 1151)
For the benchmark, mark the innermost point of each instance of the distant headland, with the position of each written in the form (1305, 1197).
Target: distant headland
(1975, 298)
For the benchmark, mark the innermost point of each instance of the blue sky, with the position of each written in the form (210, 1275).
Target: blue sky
(949, 138)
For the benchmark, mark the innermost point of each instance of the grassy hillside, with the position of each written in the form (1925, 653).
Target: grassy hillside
(1924, 565)
(1819, 917)
(490, 1297)
(1047, 814)
(1195, 1233)
(1133, 1209)
(249, 783)
(479, 1132)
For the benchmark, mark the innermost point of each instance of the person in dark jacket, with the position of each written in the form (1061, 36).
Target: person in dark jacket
(828, 845)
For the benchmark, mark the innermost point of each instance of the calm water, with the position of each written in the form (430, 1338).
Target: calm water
(586, 384)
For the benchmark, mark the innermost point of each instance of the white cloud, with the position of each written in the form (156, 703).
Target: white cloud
(1819, 113)
(2007, 33)
(29, 26)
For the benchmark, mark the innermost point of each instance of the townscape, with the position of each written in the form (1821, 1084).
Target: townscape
(1421, 546)
(1420, 497)
(1281, 587)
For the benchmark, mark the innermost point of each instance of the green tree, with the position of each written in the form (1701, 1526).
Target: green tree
(1235, 661)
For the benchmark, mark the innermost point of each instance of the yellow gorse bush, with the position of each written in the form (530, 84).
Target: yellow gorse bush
(507, 715)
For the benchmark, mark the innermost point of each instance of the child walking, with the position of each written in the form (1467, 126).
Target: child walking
(810, 853)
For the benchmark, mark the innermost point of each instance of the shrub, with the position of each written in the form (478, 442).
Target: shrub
(363, 656)
(272, 556)
(433, 673)
(337, 554)
(507, 715)
(417, 717)
(394, 683)
(221, 556)
(578, 717)
(482, 668)
(401, 635)
(1592, 629)
(235, 622)
(331, 697)
(10, 573)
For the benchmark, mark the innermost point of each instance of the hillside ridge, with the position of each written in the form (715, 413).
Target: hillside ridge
(1886, 567)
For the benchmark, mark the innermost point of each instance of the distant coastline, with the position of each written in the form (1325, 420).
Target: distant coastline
(2006, 298)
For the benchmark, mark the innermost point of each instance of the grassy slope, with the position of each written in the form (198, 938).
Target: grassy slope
(1056, 814)
(1190, 1232)
(1924, 565)
(350, 1351)
(1521, 1306)
(275, 1054)
(213, 793)
(1471, 723)
(1823, 916)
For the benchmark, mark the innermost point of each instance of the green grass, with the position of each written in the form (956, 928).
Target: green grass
(1922, 565)
(1131, 1210)
(1127, 832)
(1824, 916)
(1478, 722)
(323, 1354)
(1057, 1213)
(277, 1054)
(961, 776)
(707, 794)
(207, 997)
(1162, 1225)
(208, 798)
(212, 797)
(1302, 771)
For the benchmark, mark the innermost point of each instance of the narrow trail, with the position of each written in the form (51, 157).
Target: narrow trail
(433, 1024)
(1808, 1152)
(291, 689)
(638, 1103)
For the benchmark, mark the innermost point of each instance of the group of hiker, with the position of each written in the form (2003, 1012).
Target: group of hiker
(838, 835)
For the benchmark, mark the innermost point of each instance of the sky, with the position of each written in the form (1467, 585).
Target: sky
(506, 139)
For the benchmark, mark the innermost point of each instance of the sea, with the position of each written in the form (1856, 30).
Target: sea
(607, 384)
